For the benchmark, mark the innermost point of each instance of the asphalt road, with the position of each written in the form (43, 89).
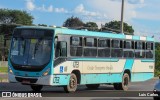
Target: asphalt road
(103, 93)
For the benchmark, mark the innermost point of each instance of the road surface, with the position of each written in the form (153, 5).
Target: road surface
(103, 93)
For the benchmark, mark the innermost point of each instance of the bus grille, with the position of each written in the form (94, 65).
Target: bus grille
(31, 80)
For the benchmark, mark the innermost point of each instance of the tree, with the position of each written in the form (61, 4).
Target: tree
(91, 26)
(157, 59)
(42, 25)
(115, 26)
(73, 22)
(15, 17)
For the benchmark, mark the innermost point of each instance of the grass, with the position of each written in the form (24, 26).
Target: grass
(3, 69)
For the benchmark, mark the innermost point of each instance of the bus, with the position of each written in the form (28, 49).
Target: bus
(47, 56)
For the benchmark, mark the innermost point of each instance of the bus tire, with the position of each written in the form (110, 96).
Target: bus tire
(72, 86)
(116, 86)
(92, 86)
(125, 83)
(36, 87)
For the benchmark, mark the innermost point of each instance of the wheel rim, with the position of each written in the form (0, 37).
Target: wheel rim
(72, 83)
(125, 82)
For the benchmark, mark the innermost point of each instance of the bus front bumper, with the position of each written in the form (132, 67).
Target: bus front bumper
(52, 80)
(44, 80)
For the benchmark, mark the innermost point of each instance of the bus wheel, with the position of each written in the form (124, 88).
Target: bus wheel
(125, 83)
(36, 87)
(92, 86)
(72, 86)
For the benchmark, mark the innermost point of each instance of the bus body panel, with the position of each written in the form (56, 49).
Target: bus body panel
(96, 71)
(143, 76)
(142, 66)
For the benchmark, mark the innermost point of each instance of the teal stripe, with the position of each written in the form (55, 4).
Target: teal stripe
(136, 37)
(128, 64)
(100, 78)
(61, 79)
(136, 77)
(148, 60)
(95, 59)
(150, 39)
(91, 33)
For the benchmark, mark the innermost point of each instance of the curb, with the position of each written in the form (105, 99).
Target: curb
(3, 73)
(4, 80)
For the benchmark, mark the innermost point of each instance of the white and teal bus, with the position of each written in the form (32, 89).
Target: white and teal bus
(45, 56)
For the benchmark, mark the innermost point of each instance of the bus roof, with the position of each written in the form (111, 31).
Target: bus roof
(102, 34)
(91, 33)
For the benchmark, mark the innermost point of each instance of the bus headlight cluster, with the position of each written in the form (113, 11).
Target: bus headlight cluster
(46, 72)
(10, 70)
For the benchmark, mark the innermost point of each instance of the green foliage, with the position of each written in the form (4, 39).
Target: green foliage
(73, 22)
(156, 73)
(8, 16)
(3, 69)
(157, 58)
(115, 25)
(91, 26)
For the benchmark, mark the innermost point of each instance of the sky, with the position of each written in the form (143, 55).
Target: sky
(143, 15)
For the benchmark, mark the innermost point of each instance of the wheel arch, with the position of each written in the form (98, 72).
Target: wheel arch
(128, 72)
(78, 75)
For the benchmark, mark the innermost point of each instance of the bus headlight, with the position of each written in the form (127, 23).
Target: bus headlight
(46, 72)
(10, 70)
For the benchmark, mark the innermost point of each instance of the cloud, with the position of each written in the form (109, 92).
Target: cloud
(113, 9)
(60, 10)
(31, 6)
(50, 8)
(80, 9)
(87, 15)
(46, 9)
(131, 1)
(136, 1)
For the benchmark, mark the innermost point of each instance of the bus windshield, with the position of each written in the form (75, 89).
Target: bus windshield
(31, 49)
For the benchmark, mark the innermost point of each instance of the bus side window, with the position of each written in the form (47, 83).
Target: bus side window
(90, 48)
(140, 49)
(61, 49)
(57, 54)
(149, 50)
(75, 46)
(116, 50)
(128, 49)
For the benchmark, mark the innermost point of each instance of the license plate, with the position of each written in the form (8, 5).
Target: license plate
(25, 81)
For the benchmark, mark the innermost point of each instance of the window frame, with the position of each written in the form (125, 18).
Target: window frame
(90, 47)
(108, 46)
(78, 46)
(132, 43)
